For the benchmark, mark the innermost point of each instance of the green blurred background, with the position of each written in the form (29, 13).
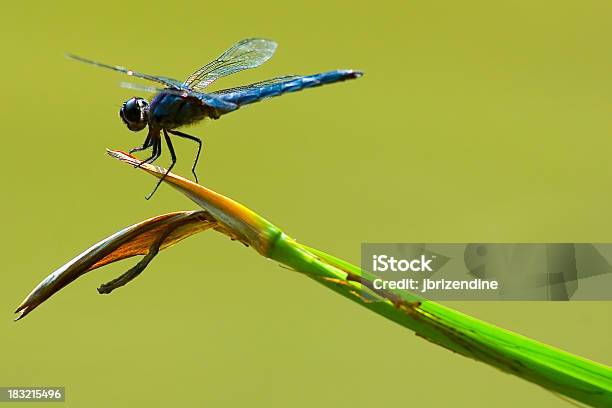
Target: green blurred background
(476, 121)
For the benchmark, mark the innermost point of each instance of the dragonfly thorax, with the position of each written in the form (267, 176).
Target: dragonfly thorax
(135, 113)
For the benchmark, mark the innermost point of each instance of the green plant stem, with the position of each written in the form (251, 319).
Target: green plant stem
(567, 374)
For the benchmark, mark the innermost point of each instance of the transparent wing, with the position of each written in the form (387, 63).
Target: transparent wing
(259, 84)
(173, 83)
(245, 54)
(142, 88)
(214, 101)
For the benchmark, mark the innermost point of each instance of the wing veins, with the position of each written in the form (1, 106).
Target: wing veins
(271, 81)
(245, 54)
(169, 82)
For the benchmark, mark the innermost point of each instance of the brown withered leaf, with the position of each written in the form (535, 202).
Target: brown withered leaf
(137, 239)
(150, 236)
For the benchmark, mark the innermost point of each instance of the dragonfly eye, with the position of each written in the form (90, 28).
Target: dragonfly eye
(135, 113)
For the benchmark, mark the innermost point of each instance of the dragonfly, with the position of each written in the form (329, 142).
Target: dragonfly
(181, 103)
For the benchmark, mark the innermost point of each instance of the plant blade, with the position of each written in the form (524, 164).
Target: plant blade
(130, 241)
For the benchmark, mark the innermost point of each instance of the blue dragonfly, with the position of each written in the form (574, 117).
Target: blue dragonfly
(178, 103)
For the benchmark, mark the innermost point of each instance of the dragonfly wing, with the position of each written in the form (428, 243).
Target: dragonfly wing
(245, 54)
(141, 88)
(259, 84)
(169, 82)
(214, 101)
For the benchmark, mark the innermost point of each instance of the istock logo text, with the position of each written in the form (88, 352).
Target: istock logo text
(384, 263)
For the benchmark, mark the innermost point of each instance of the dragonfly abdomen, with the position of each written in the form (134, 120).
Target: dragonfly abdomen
(255, 94)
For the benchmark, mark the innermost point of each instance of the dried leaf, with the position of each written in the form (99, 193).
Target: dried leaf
(134, 240)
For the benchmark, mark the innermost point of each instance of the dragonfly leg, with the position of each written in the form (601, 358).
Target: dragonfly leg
(147, 143)
(172, 155)
(195, 139)
(154, 156)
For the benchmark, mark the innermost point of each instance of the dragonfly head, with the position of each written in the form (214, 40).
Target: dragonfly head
(135, 113)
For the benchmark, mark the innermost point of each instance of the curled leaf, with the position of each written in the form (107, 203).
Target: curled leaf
(150, 236)
(155, 233)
